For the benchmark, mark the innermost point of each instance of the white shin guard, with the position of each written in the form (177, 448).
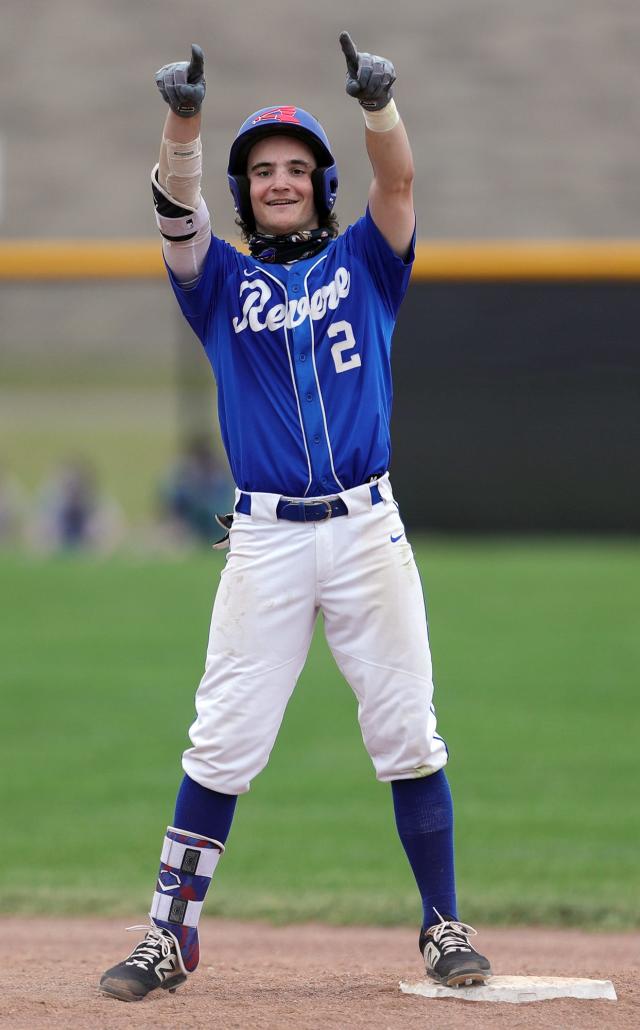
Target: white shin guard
(187, 863)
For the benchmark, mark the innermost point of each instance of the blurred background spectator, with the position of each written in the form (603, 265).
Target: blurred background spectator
(72, 513)
(196, 488)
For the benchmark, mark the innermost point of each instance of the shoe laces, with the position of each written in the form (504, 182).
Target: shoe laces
(451, 935)
(151, 949)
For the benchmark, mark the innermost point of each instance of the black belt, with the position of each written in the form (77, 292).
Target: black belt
(294, 510)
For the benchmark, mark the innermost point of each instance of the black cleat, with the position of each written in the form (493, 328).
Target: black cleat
(448, 956)
(154, 962)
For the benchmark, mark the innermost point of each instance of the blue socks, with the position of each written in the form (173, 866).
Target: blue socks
(424, 817)
(203, 811)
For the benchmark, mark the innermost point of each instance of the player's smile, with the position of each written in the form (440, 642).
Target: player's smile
(279, 170)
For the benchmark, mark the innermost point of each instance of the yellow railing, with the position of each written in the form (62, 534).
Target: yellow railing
(80, 259)
(437, 260)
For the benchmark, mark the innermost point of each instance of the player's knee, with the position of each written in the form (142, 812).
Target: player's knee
(407, 756)
(227, 777)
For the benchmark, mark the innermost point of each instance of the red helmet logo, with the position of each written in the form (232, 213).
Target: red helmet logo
(278, 114)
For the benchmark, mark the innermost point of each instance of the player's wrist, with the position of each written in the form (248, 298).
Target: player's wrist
(181, 130)
(384, 119)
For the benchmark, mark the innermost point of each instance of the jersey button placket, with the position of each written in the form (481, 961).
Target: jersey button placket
(301, 337)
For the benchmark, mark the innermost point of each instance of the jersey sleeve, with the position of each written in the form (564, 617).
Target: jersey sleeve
(389, 272)
(197, 301)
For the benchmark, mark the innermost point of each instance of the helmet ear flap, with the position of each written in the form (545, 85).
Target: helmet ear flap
(325, 188)
(239, 186)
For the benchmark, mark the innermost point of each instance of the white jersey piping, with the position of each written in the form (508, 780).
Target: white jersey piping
(315, 372)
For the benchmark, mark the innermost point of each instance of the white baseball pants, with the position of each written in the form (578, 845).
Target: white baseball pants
(359, 571)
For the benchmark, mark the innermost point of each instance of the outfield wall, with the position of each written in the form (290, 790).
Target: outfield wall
(517, 406)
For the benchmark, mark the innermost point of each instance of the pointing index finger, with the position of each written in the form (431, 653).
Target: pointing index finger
(196, 64)
(350, 53)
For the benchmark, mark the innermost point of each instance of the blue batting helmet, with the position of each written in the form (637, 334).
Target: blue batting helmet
(282, 121)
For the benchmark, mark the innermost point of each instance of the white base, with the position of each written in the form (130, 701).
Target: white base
(517, 989)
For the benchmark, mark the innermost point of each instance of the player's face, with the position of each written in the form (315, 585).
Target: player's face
(279, 171)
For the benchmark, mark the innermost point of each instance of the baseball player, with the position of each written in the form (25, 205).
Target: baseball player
(298, 333)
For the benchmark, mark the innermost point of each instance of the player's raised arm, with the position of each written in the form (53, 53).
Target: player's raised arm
(370, 80)
(181, 213)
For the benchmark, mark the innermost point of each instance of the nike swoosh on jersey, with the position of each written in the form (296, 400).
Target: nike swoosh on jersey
(394, 539)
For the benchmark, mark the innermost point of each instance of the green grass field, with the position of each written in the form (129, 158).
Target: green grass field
(536, 648)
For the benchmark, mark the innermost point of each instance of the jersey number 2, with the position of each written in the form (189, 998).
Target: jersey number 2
(347, 342)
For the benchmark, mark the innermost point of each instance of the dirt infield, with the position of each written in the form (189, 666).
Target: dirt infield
(301, 977)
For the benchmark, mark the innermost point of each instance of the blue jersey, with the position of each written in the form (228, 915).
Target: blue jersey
(302, 359)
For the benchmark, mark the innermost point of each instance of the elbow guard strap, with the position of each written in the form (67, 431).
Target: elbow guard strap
(176, 222)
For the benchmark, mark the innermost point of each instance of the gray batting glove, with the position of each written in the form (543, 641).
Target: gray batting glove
(369, 78)
(182, 84)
